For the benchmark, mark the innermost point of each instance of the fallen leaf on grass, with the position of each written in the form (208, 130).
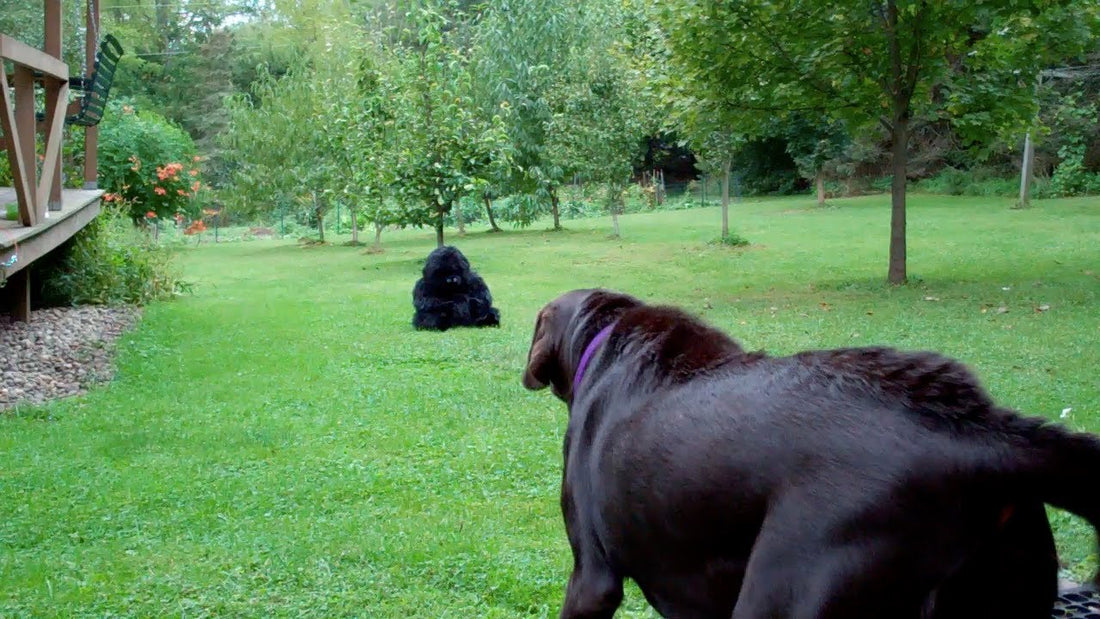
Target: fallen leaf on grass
(1042, 308)
(931, 298)
(1002, 310)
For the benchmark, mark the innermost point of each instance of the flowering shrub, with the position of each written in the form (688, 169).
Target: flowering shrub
(110, 261)
(196, 227)
(148, 163)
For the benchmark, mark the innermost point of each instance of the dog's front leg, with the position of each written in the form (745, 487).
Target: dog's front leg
(594, 592)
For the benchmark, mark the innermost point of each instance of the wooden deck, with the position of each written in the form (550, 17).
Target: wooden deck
(29, 243)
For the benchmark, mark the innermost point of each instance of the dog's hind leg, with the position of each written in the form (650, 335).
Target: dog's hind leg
(814, 558)
(1013, 575)
(802, 580)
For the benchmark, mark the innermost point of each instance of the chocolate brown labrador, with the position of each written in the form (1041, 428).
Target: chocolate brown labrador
(850, 483)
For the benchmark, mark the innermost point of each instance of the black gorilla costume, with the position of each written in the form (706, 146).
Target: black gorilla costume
(451, 294)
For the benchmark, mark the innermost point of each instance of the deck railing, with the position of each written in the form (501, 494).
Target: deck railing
(34, 192)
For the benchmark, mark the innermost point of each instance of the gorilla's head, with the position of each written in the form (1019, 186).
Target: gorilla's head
(447, 268)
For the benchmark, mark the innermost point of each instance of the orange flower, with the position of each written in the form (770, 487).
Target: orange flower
(160, 191)
(195, 227)
(195, 186)
(196, 159)
(181, 192)
(150, 215)
(194, 172)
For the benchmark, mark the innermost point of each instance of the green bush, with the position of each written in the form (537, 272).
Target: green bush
(977, 181)
(148, 163)
(1071, 177)
(473, 211)
(112, 261)
(520, 210)
(733, 240)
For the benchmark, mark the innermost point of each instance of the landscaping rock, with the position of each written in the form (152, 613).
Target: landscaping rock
(61, 352)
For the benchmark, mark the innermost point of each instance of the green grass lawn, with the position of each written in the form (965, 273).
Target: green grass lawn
(282, 443)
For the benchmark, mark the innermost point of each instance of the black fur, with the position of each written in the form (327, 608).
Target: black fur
(841, 484)
(451, 294)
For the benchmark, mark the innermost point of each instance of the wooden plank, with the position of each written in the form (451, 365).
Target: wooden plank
(25, 121)
(91, 134)
(49, 185)
(22, 54)
(23, 189)
(12, 232)
(15, 155)
(49, 189)
(49, 235)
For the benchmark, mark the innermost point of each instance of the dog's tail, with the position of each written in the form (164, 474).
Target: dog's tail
(1061, 467)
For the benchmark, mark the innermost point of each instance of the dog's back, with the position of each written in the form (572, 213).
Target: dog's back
(699, 455)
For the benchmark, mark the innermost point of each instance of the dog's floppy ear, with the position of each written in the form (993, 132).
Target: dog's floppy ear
(542, 357)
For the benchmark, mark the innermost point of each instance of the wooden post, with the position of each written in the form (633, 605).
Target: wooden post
(20, 285)
(53, 91)
(91, 134)
(23, 188)
(1025, 172)
(1029, 159)
(24, 122)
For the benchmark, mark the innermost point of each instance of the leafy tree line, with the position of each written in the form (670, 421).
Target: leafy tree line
(398, 111)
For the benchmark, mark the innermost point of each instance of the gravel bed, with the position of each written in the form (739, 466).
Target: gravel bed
(61, 352)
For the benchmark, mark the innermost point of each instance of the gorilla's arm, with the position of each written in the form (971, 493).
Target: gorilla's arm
(478, 291)
(426, 300)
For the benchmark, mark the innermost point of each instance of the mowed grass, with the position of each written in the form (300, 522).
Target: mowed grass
(282, 443)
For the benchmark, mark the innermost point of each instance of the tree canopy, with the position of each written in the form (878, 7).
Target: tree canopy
(396, 112)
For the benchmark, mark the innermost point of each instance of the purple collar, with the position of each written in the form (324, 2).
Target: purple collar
(588, 352)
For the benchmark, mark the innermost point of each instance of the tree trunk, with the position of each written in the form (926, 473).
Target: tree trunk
(900, 136)
(726, 198)
(489, 209)
(354, 226)
(378, 235)
(458, 219)
(819, 180)
(901, 93)
(614, 201)
(320, 217)
(554, 208)
(439, 229)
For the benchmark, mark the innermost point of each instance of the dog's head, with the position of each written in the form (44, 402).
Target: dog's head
(563, 328)
(447, 268)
